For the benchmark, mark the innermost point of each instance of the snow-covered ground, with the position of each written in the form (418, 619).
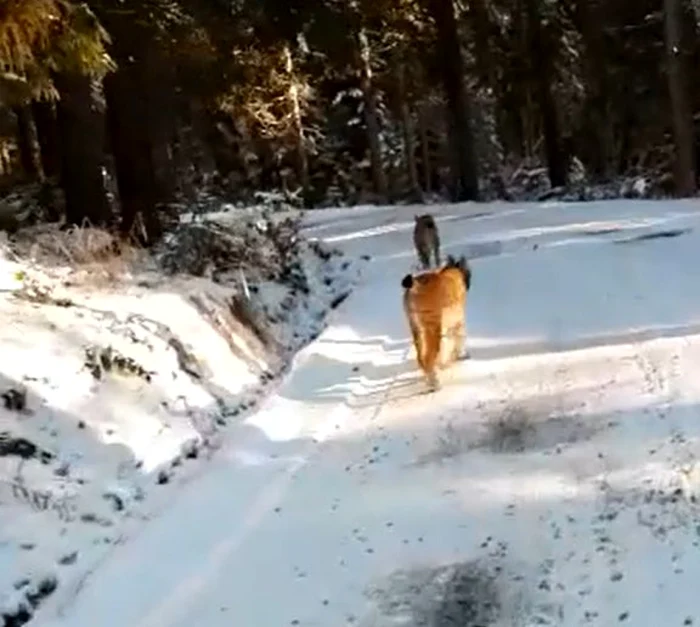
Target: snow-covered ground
(112, 389)
(551, 481)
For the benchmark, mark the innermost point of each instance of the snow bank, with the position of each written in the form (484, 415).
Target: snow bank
(111, 389)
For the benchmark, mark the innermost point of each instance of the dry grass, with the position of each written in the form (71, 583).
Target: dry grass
(95, 255)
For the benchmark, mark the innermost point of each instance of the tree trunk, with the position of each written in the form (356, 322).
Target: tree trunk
(541, 73)
(159, 84)
(557, 160)
(425, 150)
(80, 118)
(462, 140)
(483, 55)
(203, 137)
(695, 4)
(486, 39)
(142, 121)
(28, 144)
(680, 106)
(131, 146)
(407, 130)
(45, 120)
(381, 186)
(302, 159)
(598, 125)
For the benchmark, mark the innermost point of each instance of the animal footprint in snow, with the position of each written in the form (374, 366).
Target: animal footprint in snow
(15, 399)
(689, 477)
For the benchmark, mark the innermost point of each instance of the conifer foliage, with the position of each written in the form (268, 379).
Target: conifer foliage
(132, 107)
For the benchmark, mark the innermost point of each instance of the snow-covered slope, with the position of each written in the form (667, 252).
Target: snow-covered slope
(111, 392)
(553, 480)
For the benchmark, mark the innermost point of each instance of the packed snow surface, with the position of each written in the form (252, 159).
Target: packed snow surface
(552, 480)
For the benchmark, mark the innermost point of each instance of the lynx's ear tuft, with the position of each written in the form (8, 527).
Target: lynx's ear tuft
(467, 272)
(407, 281)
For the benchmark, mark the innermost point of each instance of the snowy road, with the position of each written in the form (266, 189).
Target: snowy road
(551, 481)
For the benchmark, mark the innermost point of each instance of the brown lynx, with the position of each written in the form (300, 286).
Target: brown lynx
(434, 302)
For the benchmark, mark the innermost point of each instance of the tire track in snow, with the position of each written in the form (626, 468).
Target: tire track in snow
(164, 613)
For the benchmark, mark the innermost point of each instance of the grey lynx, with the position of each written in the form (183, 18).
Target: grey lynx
(426, 240)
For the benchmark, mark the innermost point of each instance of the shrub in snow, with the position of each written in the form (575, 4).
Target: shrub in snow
(242, 247)
(281, 284)
(261, 245)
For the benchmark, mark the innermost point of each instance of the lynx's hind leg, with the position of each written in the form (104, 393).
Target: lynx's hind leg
(458, 337)
(418, 346)
(432, 333)
(433, 382)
